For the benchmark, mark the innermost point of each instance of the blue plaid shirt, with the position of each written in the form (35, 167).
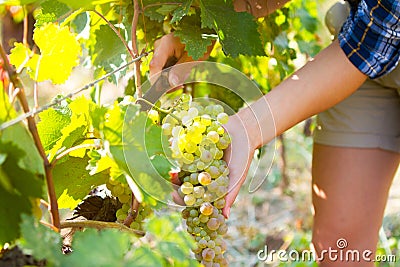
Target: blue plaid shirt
(371, 36)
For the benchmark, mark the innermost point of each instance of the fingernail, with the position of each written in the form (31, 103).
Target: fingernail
(174, 80)
(228, 212)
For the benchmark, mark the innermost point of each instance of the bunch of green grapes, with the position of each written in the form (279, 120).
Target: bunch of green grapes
(124, 195)
(197, 141)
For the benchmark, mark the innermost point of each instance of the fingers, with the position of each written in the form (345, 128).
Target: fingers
(238, 170)
(177, 198)
(238, 156)
(166, 47)
(179, 73)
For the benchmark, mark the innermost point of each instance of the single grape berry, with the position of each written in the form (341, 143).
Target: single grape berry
(204, 178)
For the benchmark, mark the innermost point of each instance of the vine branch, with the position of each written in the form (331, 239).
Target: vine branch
(99, 225)
(59, 100)
(135, 20)
(34, 132)
(134, 211)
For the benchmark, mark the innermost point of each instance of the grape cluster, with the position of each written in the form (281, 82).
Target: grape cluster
(124, 195)
(197, 141)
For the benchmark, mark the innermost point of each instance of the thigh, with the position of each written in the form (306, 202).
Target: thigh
(350, 189)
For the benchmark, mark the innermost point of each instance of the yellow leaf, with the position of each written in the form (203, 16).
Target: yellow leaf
(59, 53)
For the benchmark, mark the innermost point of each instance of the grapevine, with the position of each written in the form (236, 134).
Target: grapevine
(75, 144)
(197, 142)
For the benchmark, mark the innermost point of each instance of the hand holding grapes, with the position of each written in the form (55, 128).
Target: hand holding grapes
(238, 156)
(167, 47)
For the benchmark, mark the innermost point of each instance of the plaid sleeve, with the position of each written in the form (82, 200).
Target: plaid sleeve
(371, 36)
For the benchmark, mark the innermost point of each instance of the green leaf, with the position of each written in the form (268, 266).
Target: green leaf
(86, 4)
(307, 21)
(192, 36)
(80, 22)
(144, 256)
(100, 248)
(17, 186)
(55, 43)
(67, 126)
(71, 175)
(18, 136)
(173, 244)
(181, 11)
(166, 9)
(110, 51)
(160, 227)
(152, 13)
(134, 142)
(237, 31)
(70, 135)
(51, 123)
(40, 241)
(50, 11)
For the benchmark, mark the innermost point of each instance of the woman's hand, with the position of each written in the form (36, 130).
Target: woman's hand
(167, 48)
(238, 156)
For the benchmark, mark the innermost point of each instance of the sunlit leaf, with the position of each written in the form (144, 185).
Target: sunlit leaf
(59, 53)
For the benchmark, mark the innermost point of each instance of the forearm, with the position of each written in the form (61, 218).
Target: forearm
(258, 8)
(323, 82)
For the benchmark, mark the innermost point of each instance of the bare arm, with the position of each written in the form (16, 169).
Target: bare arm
(320, 84)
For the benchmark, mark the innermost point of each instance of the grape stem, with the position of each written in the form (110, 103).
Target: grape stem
(99, 225)
(134, 211)
(165, 111)
(55, 216)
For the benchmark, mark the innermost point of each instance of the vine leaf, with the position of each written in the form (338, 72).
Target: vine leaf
(85, 243)
(111, 52)
(181, 11)
(85, 4)
(67, 126)
(171, 243)
(50, 11)
(21, 172)
(71, 175)
(40, 241)
(59, 53)
(136, 146)
(237, 31)
(17, 187)
(22, 56)
(51, 123)
(19, 136)
(192, 36)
